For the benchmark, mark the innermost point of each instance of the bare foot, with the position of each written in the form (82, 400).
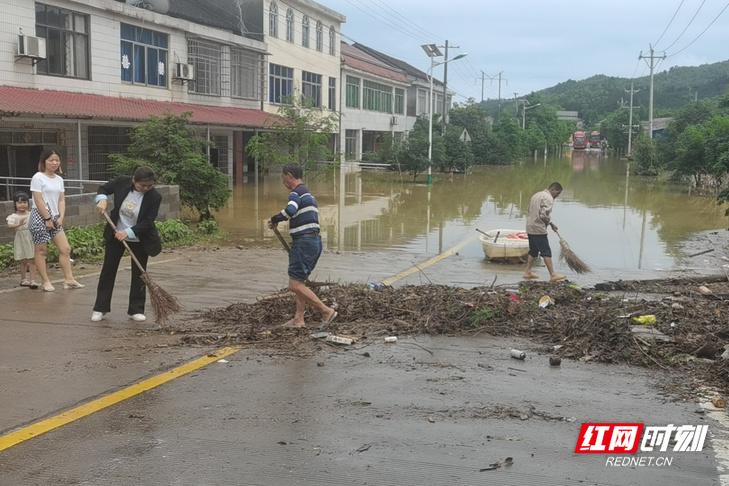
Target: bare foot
(557, 278)
(530, 276)
(293, 324)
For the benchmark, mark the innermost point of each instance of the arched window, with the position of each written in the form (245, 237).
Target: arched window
(290, 25)
(332, 41)
(305, 31)
(319, 37)
(273, 20)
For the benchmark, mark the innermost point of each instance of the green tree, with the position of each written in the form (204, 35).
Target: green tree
(170, 147)
(301, 135)
(458, 154)
(646, 156)
(413, 153)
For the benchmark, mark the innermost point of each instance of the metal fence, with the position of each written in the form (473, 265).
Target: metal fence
(10, 185)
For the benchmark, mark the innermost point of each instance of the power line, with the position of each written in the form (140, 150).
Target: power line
(687, 26)
(370, 13)
(702, 32)
(407, 21)
(669, 23)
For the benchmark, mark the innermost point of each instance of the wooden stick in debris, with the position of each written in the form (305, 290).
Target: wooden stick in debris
(164, 304)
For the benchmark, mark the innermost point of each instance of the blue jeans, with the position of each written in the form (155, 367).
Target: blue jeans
(305, 253)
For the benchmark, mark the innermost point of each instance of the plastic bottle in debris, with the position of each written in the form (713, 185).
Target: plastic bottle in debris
(518, 354)
(339, 340)
(391, 339)
(378, 286)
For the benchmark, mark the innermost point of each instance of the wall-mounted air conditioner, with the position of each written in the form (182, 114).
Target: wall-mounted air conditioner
(31, 47)
(184, 72)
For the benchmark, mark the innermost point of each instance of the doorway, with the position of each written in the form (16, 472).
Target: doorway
(17, 161)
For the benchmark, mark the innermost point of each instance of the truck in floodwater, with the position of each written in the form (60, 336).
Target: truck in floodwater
(579, 140)
(595, 140)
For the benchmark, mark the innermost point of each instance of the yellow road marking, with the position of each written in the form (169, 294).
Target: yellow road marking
(429, 263)
(46, 425)
(95, 274)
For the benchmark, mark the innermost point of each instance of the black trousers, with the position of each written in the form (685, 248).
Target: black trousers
(137, 291)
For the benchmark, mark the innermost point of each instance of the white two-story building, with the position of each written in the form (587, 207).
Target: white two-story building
(77, 74)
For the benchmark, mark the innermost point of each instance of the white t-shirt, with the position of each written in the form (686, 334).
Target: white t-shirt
(129, 211)
(50, 187)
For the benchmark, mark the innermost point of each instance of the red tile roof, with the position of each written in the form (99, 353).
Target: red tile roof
(64, 104)
(361, 61)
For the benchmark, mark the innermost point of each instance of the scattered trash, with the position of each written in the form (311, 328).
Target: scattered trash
(704, 290)
(282, 442)
(725, 354)
(494, 466)
(485, 366)
(701, 253)
(518, 354)
(514, 298)
(378, 286)
(646, 320)
(516, 369)
(319, 335)
(555, 361)
(546, 301)
(223, 361)
(366, 354)
(718, 402)
(331, 338)
(650, 333)
(391, 339)
(431, 420)
(676, 306)
(364, 447)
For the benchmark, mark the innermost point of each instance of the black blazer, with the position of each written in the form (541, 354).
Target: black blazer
(145, 229)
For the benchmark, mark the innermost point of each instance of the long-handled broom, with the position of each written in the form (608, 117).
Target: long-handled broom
(569, 256)
(163, 303)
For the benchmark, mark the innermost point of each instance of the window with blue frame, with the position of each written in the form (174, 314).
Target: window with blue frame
(144, 56)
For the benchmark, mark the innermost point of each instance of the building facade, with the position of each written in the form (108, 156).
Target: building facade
(109, 65)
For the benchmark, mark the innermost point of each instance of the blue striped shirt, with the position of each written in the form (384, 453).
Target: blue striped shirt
(301, 211)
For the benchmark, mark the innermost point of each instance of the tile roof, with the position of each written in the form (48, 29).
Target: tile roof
(361, 61)
(64, 104)
(396, 63)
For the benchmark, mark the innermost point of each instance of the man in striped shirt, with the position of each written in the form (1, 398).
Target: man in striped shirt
(303, 215)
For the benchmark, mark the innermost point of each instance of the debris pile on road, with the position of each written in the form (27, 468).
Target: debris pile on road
(687, 328)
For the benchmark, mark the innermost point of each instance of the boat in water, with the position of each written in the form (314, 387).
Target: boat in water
(505, 244)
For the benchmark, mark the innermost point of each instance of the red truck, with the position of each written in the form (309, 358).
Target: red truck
(595, 139)
(579, 140)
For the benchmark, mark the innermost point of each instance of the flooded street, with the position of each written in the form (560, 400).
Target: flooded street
(615, 221)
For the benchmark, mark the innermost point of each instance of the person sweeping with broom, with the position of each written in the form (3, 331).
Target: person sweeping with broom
(303, 215)
(539, 216)
(136, 204)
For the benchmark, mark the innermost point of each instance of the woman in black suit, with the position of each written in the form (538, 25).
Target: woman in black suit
(136, 204)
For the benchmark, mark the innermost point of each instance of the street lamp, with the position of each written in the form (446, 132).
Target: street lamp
(432, 51)
(523, 113)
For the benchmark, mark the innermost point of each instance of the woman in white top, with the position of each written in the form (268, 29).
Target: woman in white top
(46, 219)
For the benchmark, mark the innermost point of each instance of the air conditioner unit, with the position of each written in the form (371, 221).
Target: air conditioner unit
(31, 47)
(393, 121)
(184, 72)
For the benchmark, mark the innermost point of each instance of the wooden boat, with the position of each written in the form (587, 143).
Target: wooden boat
(504, 244)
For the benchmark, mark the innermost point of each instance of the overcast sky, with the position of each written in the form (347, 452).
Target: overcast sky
(537, 43)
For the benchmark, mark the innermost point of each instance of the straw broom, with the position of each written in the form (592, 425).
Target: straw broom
(163, 303)
(569, 256)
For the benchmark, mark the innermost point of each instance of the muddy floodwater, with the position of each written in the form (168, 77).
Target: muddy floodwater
(615, 221)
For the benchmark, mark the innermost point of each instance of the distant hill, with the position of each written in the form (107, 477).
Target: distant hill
(599, 95)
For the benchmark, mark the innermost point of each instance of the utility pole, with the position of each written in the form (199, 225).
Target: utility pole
(630, 119)
(652, 65)
(445, 85)
(516, 103)
(483, 79)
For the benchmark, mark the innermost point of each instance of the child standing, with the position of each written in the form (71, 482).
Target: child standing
(23, 248)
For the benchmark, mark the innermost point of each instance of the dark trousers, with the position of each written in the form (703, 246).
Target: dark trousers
(137, 292)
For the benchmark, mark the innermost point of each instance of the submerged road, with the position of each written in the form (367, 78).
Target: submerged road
(397, 416)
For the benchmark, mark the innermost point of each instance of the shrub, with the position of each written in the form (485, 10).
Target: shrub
(208, 227)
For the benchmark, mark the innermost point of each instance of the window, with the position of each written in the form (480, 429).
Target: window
(438, 100)
(376, 97)
(244, 73)
(423, 102)
(319, 37)
(104, 141)
(273, 20)
(207, 59)
(332, 41)
(350, 144)
(352, 92)
(333, 94)
(67, 41)
(219, 153)
(399, 101)
(305, 31)
(143, 56)
(311, 89)
(290, 25)
(280, 83)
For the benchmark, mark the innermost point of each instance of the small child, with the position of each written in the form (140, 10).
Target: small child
(23, 248)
